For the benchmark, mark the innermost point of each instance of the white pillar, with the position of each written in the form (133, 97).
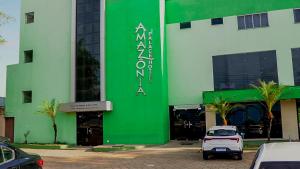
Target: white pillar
(210, 118)
(289, 118)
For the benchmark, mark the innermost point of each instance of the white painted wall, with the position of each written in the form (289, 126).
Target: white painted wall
(190, 51)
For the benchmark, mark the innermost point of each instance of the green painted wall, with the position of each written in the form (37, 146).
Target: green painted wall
(48, 76)
(189, 10)
(190, 51)
(135, 119)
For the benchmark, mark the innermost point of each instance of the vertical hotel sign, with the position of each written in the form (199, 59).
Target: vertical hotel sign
(145, 58)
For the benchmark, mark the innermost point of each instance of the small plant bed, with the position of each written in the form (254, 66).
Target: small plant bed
(113, 148)
(42, 146)
(255, 144)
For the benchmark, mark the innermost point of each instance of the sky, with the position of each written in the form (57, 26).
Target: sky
(9, 52)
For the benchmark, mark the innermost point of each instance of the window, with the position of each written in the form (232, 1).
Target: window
(27, 96)
(296, 67)
(280, 165)
(253, 21)
(221, 132)
(6, 155)
(251, 119)
(29, 17)
(28, 56)
(216, 21)
(297, 15)
(238, 71)
(241, 22)
(88, 14)
(185, 25)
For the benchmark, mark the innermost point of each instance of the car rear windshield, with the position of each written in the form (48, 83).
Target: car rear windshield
(221, 132)
(280, 165)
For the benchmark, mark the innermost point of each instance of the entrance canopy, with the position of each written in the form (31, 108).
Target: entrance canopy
(86, 106)
(247, 95)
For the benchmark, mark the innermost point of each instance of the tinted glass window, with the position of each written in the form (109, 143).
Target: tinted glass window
(27, 96)
(6, 154)
(297, 15)
(88, 50)
(238, 71)
(1, 156)
(28, 56)
(264, 20)
(185, 25)
(241, 22)
(217, 21)
(296, 63)
(256, 19)
(253, 21)
(29, 17)
(221, 132)
(251, 119)
(249, 21)
(280, 165)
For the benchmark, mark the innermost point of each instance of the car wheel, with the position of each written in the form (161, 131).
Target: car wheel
(205, 155)
(240, 156)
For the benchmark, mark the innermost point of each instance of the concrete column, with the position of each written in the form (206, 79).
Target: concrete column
(2, 123)
(210, 119)
(289, 119)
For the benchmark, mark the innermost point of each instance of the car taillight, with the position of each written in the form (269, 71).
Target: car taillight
(40, 162)
(237, 139)
(207, 139)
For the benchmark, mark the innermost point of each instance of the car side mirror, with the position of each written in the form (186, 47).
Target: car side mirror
(243, 135)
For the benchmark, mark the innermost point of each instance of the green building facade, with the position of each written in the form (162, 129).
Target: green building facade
(149, 66)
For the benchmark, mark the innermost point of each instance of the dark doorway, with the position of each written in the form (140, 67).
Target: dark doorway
(10, 128)
(90, 128)
(187, 124)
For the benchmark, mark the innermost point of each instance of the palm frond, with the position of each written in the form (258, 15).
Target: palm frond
(222, 107)
(49, 108)
(270, 92)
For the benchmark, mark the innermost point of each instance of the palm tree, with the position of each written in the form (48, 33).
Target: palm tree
(222, 107)
(270, 93)
(3, 20)
(50, 109)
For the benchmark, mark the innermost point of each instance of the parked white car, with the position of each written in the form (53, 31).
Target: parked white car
(222, 140)
(277, 156)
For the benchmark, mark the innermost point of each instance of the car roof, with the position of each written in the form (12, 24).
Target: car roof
(285, 151)
(223, 127)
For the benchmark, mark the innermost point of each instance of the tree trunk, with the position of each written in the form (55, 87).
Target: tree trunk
(270, 126)
(225, 122)
(55, 132)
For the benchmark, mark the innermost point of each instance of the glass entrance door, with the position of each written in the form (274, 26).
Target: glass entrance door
(187, 124)
(90, 128)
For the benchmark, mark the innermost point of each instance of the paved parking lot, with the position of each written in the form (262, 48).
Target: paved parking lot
(161, 157)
